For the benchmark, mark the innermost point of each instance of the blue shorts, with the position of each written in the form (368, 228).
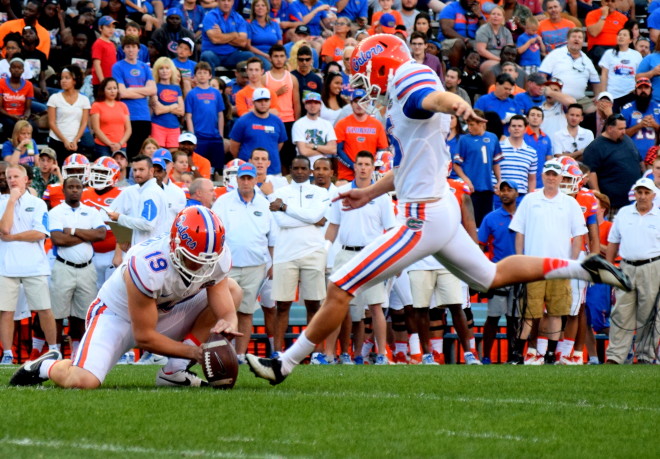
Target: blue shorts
(599, 305)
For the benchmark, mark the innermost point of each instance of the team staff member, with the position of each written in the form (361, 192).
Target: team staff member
(23, 228)
(634, 236)
(143, 206)
(250, 236)
(202, 193)
(355, 133)
(548, 224)
(299, 256)
(355, 230)
(73, 229)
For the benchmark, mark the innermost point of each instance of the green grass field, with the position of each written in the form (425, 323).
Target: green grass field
(337, 411)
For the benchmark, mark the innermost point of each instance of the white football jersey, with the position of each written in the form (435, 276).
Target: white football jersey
(152, 272)
(421, 156)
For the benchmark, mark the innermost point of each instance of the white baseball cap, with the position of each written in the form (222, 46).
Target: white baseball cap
(188, 137)
(260, 94)
(645, 182)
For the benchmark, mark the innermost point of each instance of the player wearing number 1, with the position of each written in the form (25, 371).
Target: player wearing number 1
(429, 217)
(167, 296)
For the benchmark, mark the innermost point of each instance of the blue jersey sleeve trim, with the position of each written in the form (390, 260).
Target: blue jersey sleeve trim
(413, 106)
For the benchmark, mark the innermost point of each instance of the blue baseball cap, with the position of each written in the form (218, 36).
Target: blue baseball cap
(510, 183)
(313, 97)
(106, 21)
(388, 21)
(175, 12)
(162, 153)
(246, 169)
(358, 93)
(159, 162)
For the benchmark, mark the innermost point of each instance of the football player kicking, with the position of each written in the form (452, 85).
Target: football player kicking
(429, 217)
(168, 295)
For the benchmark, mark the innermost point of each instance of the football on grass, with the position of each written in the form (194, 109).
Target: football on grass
(220, 362)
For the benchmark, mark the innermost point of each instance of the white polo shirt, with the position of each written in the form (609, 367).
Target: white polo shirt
(19, 258)
(143, 208)
(298, 235)
(554, 118)
(563, 141)
(574, 73)
(83, 217)
(176, 201)
(359, 227)
(638, 235)
(548, 224)
(249, 227)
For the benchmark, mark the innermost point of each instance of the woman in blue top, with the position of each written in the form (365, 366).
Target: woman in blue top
(455, 133)
(262, 32)
(21, 148)
(314, 14)
(166, 104)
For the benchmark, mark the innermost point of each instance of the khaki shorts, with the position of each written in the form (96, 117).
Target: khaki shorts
(376, 294)
(445, 285)
(250, 279)
(72, 290)
(309, 271)
(448, 44)
(36, 292)
(555, 294)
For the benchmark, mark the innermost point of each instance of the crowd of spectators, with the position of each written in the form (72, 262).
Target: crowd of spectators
(147, 103)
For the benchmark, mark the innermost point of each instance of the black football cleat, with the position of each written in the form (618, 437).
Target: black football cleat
(604, 272)
(268, 369)
(28, 373)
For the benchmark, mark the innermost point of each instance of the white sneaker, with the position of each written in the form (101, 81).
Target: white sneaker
(319, 358)
(470, 359)
(151, 359)
(345, 359)
(7, 360)
(427, 359)
(179, 378)
(241, 359)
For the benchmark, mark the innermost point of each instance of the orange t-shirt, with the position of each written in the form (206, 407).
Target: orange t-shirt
(333, 47)
(17, 25)
(112, 120)
(356, 136)
(613, 23)
(244, 100)
(202, 164)
(90, 197)
(220, 190)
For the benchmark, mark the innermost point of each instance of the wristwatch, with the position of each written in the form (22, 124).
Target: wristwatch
(194, 168)
(315, 147)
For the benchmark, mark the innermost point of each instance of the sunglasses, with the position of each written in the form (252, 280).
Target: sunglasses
(304, 59)
(584, 67)
(551, 168)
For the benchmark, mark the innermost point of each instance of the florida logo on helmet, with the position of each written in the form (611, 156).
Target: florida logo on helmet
(364, 56)
(183, 233)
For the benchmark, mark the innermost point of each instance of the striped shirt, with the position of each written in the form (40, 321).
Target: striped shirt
(518, 163)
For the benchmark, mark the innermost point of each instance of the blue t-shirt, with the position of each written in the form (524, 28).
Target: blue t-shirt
(524, 101)
(543, 147)
(251, 132)
(168, 94)
(533, 54)
(25, 159)
(298, 10)
(282, 15)
(143, 54)
(353, 10)
(134, 76)
(490, 103)
(204, 105)
(145, 3)
(452, 145)
(495, 230)
(648, 63)
(192, 19)
(187, 68)
(234, 22)
(476, 156)
(263, 38)
(466, 27)
(645, 137)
